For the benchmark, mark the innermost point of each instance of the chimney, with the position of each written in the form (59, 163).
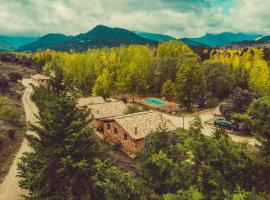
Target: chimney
(136, 131)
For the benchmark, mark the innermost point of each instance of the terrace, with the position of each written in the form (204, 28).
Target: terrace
(151, 102)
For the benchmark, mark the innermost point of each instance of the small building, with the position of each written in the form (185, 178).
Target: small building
(130, 130)
(105, 110)
(84, 102)
(39, 80)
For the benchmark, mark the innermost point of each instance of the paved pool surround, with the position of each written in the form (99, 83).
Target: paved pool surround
(155, 101)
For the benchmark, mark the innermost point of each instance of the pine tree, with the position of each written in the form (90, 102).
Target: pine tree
(63, 152)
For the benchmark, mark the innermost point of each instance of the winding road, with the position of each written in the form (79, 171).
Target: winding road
(9, 189)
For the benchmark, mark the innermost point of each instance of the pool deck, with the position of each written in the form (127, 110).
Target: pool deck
(168, 106)
(153, 104)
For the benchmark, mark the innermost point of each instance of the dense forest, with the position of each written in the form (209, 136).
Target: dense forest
(171, 69)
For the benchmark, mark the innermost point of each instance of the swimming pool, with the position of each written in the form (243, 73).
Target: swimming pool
(155, 102)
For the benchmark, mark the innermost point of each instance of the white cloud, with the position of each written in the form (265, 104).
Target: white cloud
(249, 16)
(180, 18)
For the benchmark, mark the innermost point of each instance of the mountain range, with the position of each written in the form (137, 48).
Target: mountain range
(223, 39)
(155, 37)
(45, 42)
(103, 36)
(100, 36)
(17, 41)
(5, 46)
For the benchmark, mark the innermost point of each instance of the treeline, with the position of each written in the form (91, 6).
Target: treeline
(172, 70)
(66, 161)
(135, 69)
(249, 66)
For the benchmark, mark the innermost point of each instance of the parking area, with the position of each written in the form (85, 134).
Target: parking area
(208, 117)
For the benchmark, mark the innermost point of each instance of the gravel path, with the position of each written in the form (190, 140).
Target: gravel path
(9, 189)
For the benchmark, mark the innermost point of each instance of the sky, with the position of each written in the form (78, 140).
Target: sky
(179, 18)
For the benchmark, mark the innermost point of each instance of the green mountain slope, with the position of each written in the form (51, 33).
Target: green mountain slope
(155, 37)
(45, 42)
(5, 46)
(264, 39)
(192, 43)
(17, 41)
(102, 36)
(224, 39)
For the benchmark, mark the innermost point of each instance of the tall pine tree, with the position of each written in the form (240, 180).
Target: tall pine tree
(63, 151)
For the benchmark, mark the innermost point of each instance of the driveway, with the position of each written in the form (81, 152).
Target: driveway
(207, 118)
(9, 189)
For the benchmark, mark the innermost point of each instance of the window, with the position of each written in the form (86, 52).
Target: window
(115, 130)
(108, 126)
(125, 136)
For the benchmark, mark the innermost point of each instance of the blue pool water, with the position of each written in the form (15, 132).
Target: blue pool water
(155, 102)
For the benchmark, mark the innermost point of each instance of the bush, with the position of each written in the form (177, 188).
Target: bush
(9, 113)
(3, 82)
(124, 99)
(237, 102)
(116, 146)
(243, 121)
(226, 109)
(132, 109)
(14, 76)
(11, 134)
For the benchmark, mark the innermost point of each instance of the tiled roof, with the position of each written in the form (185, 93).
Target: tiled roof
(107, 109)
(39, 77)
(139, 125)
(90, 100)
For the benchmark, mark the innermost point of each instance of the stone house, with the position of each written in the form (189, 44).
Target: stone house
(101, 111)
(39, 80)
(130, 130)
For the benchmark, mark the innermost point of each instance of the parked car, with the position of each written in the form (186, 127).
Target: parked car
(226, 124)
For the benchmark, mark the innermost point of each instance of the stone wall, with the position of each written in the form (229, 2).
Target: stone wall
(97, 124)
(116, 134)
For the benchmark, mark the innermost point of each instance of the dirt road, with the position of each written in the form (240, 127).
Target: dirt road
(9, 189)
(206, 117)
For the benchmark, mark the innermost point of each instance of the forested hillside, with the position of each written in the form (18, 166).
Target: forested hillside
(44, 42)
(224, 39)
(98, 37)
(17, 41)
(155, 37)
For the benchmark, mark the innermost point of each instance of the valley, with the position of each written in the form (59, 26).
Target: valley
(134, 100)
